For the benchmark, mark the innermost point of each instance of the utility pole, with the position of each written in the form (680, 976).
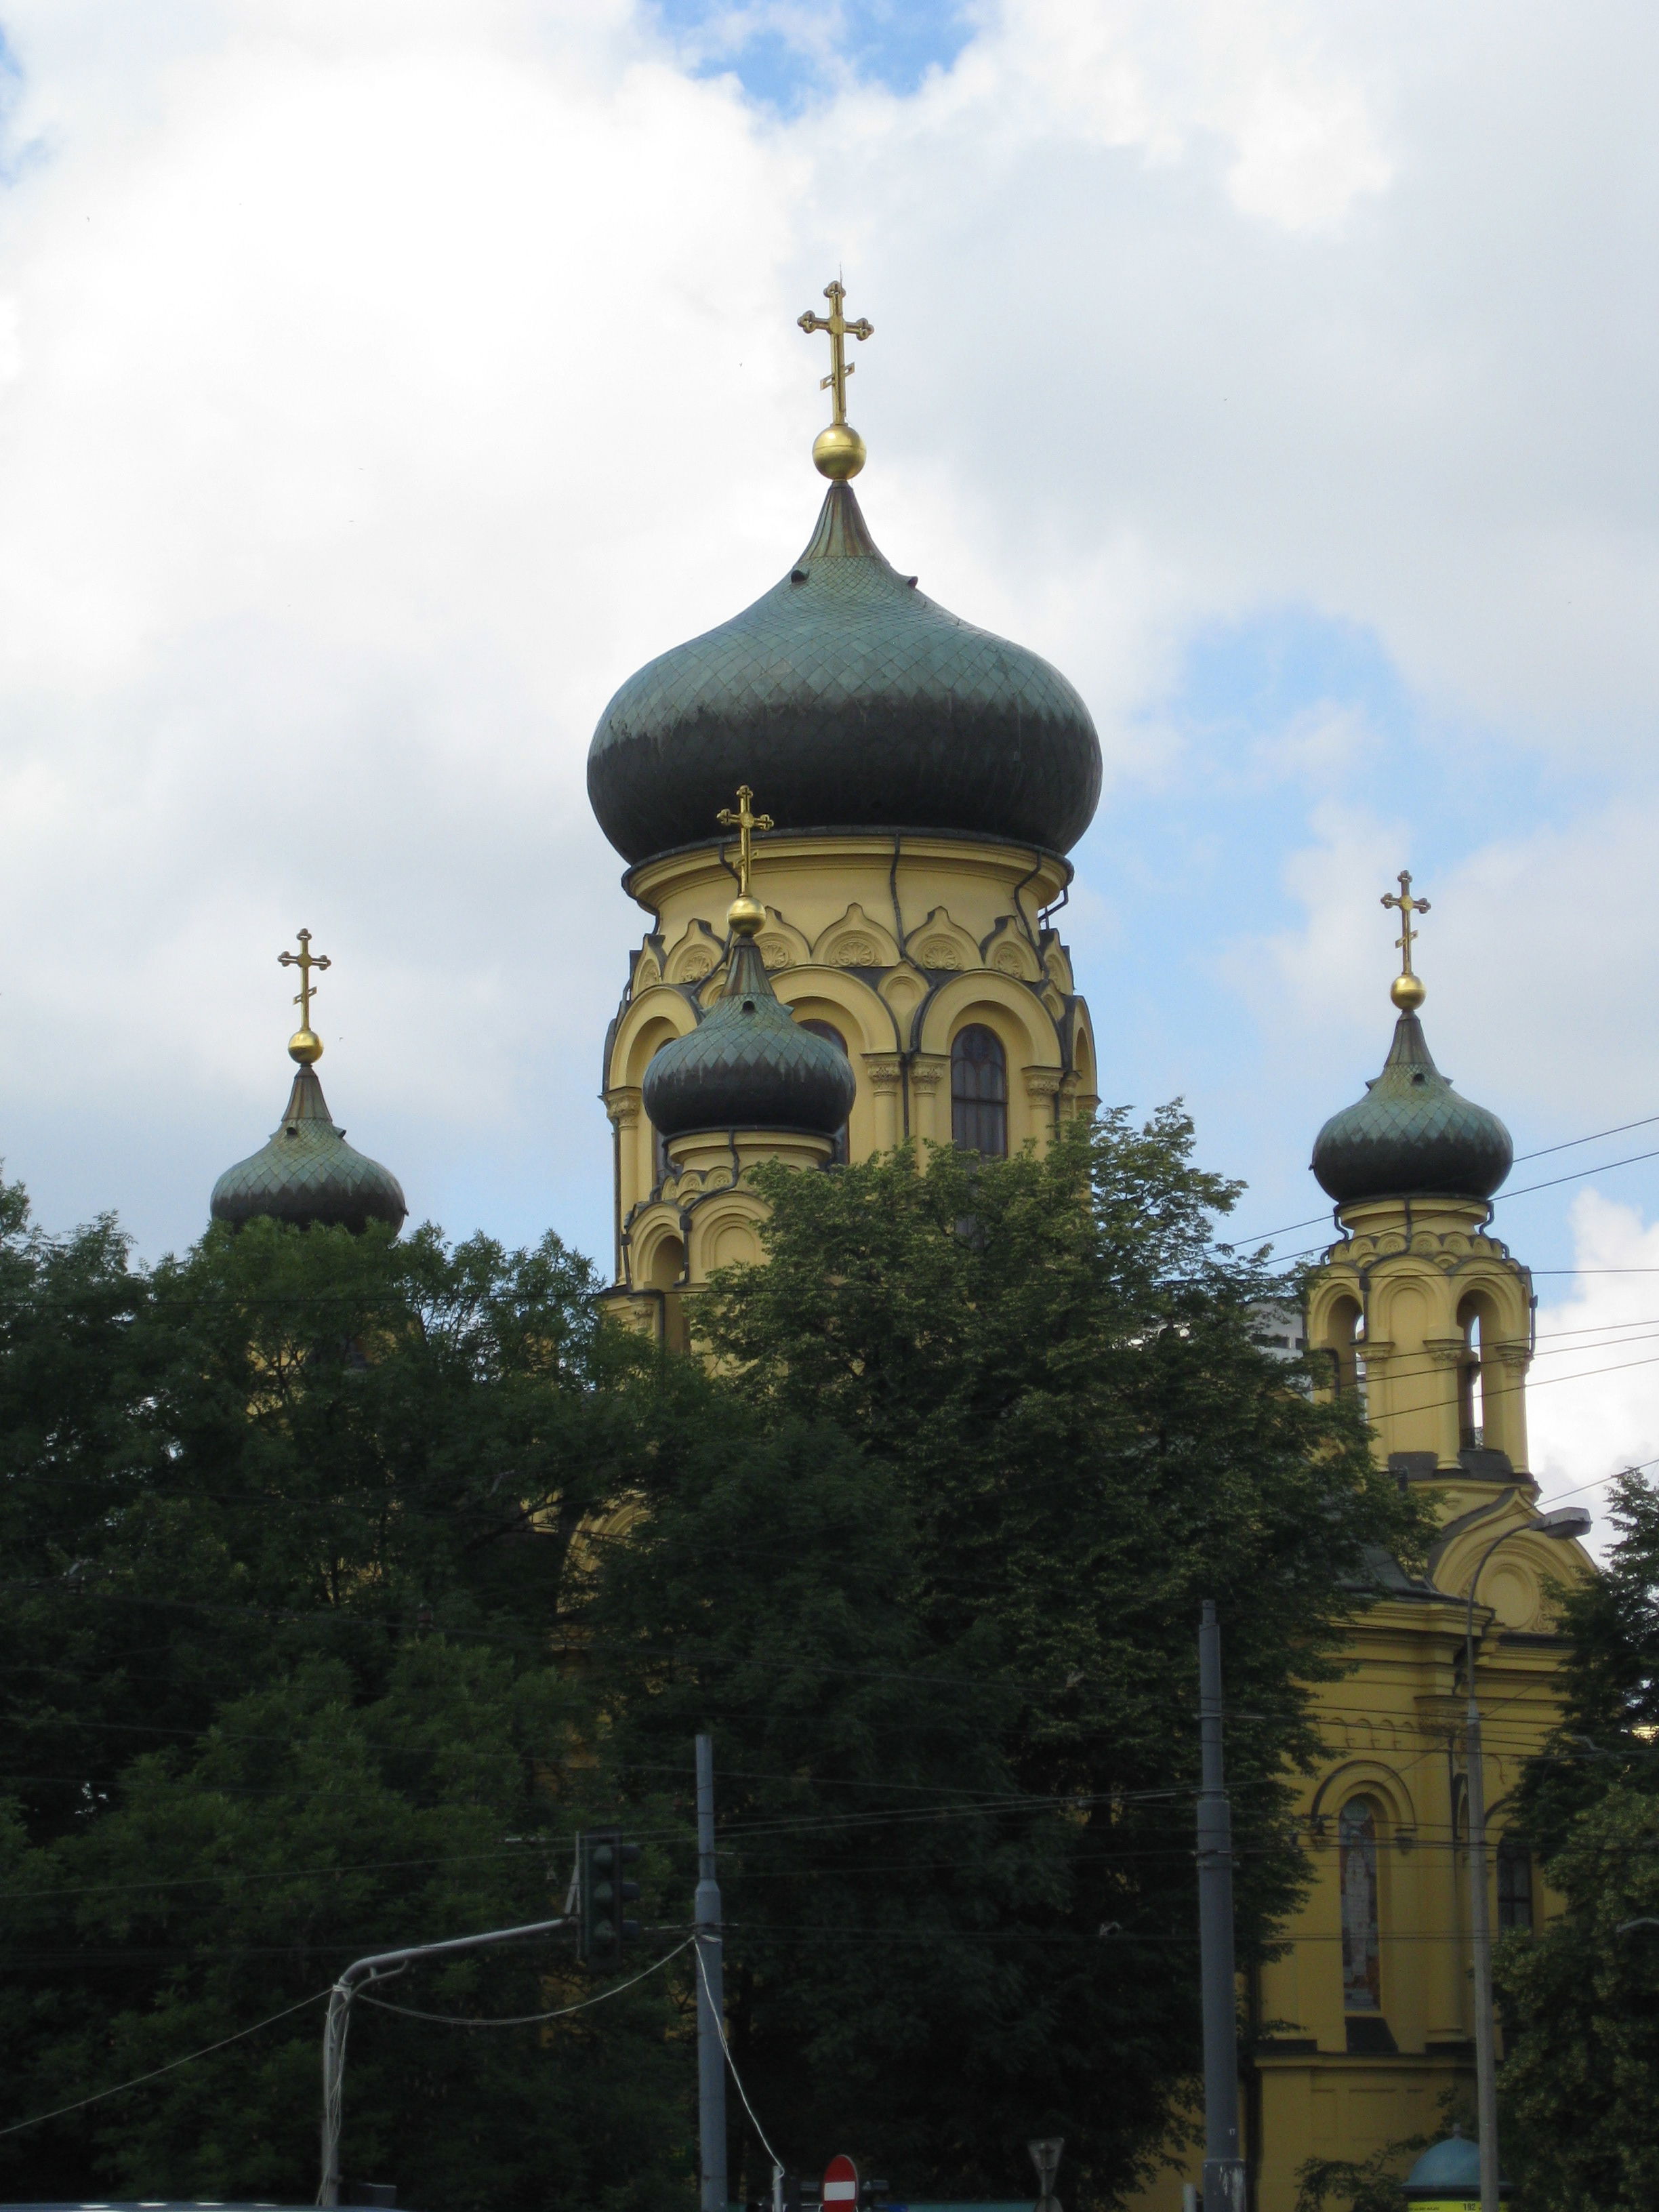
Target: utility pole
(711, 1993)
(1224, 2169)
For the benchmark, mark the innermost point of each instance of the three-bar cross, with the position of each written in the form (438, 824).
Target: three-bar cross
(304, 960)
(745, 822)
(1409, 906)
(840, 331)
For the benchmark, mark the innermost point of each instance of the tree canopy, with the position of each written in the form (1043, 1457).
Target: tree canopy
(348, 1577)
(1580, 1999)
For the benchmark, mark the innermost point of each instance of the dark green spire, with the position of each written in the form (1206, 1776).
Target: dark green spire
(308, 1175)
(1411, 1135)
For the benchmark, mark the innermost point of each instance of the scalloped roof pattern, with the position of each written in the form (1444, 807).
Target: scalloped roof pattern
(307, 1173)
(846, 698)
(749, 1065)
(1412, 1135)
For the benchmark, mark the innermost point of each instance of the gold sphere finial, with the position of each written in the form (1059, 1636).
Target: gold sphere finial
(744, 915)
(838, 453)
(304, 1046)
(1408, 992)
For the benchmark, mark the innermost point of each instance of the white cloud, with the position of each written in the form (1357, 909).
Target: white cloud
(1605, 1331)
(380, 383)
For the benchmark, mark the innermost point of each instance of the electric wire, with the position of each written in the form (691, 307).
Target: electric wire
(527, 2019)
(726, 2049)
(171, 2066)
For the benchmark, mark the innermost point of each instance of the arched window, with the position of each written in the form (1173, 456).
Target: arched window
(831, 1035)
(1471, 1389)
(1345, 1341)
(979, 1092)
(1514, 1884)
(1356, 1835)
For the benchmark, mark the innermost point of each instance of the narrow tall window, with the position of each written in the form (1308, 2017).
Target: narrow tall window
(1472, 1409)
(1362, 1982)
(979, 1092)
(1514, 1884)
(831, 1035)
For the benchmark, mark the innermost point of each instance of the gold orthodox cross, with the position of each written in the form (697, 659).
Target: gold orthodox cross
(745, 822)
(1409, 906)
(304, 960)
(840, 331)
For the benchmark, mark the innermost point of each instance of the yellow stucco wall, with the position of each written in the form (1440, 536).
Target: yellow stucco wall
(1430, 1318)
(899, 942)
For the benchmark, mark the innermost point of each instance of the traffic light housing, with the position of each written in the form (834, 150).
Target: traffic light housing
(601, 1892)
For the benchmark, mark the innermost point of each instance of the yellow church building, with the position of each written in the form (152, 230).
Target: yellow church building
(872, 956)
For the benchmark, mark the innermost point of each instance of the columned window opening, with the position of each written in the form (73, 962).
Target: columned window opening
(1346, 1342)
(1472, 1395)
(1362, 1962)
(831, 1035)
(1514, 1884)
(979, 1092)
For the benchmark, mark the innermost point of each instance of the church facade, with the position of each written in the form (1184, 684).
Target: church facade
(863, 949)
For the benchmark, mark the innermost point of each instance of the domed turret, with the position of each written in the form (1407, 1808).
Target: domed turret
(1411, 1135)
(307, 1173)
(748, 1063)
(854, 701)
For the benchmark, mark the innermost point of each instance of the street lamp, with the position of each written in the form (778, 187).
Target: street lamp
(1567, 1521)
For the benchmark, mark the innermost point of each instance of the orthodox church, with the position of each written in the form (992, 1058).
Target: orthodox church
(874, 957)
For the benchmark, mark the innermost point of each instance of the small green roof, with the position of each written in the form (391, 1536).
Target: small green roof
(749, 1065)
(308, 1175)
(1412, 1135)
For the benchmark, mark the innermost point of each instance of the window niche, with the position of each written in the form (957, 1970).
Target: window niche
(1358, 1834)
(979, 1092)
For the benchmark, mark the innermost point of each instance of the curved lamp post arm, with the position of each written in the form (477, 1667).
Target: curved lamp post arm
(381, 1966)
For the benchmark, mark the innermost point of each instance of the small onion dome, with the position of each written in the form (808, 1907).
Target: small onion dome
(749, 1064)
(1411, 1135)
(1446, 2178)
(307, 1173)
(853, 702)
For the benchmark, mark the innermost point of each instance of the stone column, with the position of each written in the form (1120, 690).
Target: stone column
(930, 1076)
(884, 1072)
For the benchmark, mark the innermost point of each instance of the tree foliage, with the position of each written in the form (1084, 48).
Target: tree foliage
(937, 1597)
(1580, 2082)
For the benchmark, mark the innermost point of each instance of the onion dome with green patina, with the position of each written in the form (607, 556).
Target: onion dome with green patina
(308, 1175)
(1411, 1135)
(749, 1064)
(855, 702)
(1446, 2178)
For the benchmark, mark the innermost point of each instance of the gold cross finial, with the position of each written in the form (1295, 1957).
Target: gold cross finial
(838, 451)
(746, 913)
(305, 1045)
(1407, 990)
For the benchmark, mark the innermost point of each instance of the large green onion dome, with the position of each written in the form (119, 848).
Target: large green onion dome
(855, 702)
(1411, 1135)
(749, 1064)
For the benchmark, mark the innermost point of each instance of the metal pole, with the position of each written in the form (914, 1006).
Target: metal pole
(379, 1967)
(1486, 2055)
(711, 1993)
(1223, 2168)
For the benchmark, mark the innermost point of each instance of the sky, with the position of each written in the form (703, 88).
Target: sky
(381, 382)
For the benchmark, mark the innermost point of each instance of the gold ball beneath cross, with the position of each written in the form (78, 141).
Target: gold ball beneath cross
(1408, 992)
(838, 452)
(304, 1046)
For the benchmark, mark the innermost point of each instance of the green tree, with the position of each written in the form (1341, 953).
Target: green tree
(937, 1597)
(1580, 2082)
(284, 1522)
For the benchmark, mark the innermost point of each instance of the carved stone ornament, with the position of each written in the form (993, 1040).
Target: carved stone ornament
(858, 952)
(884, 1074)
(775, 952)
(939, 952)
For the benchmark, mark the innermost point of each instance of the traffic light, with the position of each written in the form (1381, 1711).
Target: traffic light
(601, 1892)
